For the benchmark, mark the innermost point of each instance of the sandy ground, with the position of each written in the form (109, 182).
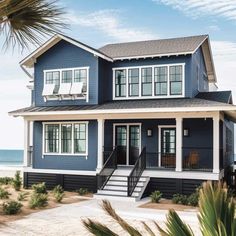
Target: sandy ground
(66, 219)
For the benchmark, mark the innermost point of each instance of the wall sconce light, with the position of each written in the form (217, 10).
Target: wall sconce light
(186, 132)
(149, 132)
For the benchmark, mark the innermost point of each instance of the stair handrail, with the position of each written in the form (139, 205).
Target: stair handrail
(107, 170)
(135, 174)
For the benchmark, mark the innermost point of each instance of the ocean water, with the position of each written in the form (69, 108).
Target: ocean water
(11, 157)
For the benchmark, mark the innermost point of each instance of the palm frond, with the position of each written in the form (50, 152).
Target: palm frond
(25, 22)
(97, 228)
(106, 206)
(148, 229)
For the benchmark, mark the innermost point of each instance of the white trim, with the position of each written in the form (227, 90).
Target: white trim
(72, 97)
(100, 137)
(127, 97)
(152, 55)
(182, 174)
(159, 140)
(72, 150)
(26, 142)
(216, 144)
(179, 143)
(30, 59)
(127, 137)
(53, 171)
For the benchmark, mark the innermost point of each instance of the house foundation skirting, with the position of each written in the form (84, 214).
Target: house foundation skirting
(68, 182)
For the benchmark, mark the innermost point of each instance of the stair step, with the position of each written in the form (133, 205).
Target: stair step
(120, 188)
(125, 178)
(116, 193)
(123, 183)
(117, 197)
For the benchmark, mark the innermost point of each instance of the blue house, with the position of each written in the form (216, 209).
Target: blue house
(128, 118)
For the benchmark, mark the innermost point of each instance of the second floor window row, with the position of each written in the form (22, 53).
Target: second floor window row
(149, 81)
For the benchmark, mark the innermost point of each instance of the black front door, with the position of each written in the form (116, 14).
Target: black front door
(121, 143)
(168, 147)
(127, 140)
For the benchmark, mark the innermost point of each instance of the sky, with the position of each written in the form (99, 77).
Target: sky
(109, 21)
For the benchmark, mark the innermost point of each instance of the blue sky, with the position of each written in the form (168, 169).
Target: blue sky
(107, 21)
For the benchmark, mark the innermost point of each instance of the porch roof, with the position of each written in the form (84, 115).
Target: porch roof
(133, 106)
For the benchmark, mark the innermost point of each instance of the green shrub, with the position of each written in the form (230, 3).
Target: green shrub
(58, 189)
(156, 196)
(39, 188)
(22, 196)
(38, 200)
(193, 199)
(6, 180)
(82, 191)
(180, 199)
(4, 194)
(58, 193)
(11, 207)
(17, 182)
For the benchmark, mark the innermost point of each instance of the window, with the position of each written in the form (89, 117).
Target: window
(175, 80)
(120, 83)
(133, 82)
(80, 138)
(66, 138)
(53, 78)
(147, 81)
(160, 80)
(52, 138)
(66, 76)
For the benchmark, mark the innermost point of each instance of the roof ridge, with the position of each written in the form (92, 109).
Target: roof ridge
(154, 40)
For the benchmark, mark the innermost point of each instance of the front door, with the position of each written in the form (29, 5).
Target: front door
(127, 140)
(168, 147)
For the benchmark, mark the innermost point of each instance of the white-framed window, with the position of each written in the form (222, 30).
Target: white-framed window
(65, 138)
(159, 81)
(68, 83)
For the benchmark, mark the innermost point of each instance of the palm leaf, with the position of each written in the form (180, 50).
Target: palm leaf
(25, 22)
(97, 228)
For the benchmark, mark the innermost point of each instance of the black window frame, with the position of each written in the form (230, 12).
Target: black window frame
(156, 81)
(180, 75)
(131, 83)
(119, 84)
(144, 75)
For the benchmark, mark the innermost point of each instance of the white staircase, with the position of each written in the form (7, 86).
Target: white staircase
(117, 186)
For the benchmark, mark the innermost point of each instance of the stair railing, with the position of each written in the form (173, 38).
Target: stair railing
(135, 174)
(108, 168)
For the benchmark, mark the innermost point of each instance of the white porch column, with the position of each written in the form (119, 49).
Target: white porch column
(216, 145)
(100, 143)
(26, 142)
(179, 143)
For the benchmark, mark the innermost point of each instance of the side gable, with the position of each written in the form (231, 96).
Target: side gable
(31, 59)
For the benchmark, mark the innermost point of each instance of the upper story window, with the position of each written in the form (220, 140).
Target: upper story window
(158, 81)
(66, 84)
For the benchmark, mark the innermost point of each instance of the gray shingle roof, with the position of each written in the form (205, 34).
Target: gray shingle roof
(153, 47)
(218, 96)
(131, 104)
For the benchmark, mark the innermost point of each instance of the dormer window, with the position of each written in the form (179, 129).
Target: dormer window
(66, 84)
(154, 81)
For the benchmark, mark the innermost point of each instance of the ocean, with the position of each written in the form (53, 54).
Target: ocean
(11, 157)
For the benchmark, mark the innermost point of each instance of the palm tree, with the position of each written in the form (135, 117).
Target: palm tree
(216, 216)
(26, 22)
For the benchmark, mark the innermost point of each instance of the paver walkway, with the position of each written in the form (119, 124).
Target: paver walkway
(66, 219)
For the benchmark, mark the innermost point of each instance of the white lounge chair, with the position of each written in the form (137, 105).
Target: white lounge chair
(48, 89)
(64, 89)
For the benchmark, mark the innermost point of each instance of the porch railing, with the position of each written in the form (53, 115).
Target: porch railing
(136, 172)
(109, 167)
(197, 158)
(160, 161)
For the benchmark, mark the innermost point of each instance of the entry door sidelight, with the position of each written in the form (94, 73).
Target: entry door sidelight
(121, 143)
(168, 147)
(134, 143)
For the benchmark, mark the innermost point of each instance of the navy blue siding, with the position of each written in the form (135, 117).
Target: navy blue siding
(198, 61)
(66, 55)
(65, 162)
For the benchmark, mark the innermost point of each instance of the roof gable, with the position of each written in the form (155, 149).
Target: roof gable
(31, 59)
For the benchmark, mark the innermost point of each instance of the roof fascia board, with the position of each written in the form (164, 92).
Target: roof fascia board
(154, 55)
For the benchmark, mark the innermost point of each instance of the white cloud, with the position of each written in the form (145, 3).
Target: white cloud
(198, 8)
(109, 22)
(224, 53)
